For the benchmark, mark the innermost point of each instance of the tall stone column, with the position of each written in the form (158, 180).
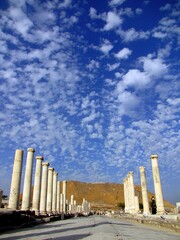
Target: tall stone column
(144, 191)
(43, 195)
(49, 190)
(54, 194)
(37, 185)
(58, 197)
(71, 206)
(131, 191)
(64, 195)
(61, 202)
(16, 180)
(26, 198)
(136, 199)
(157, 185)
(126, 198)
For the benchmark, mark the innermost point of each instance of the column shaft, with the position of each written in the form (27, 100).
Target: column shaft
(43, 195)
(144, 191)
(61, 202)
(26, 198)
(54, 194)
(49, 191)
(132, 191)
(37, 185)
(16, 180)
(64, 195)
(157, 185)
(126, 203)
(58, 197)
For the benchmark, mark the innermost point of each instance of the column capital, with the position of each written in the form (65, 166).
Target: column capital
(55, 173)
(130, 173)
(51, 169)
(142, 168)
(45, 164)
(155, 156)
(31, 150)
(39, 158)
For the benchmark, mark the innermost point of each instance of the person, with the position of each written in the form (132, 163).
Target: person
(153, 205)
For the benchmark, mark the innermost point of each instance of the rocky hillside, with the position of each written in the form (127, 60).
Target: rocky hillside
(102, 195)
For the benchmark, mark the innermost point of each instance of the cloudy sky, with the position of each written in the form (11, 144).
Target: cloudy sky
(93, 86)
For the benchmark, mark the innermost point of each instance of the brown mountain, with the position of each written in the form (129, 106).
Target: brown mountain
(103, 195)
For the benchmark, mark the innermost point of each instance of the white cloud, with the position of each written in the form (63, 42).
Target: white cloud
(136, 78)
(20, 21)
(112, 67)
(154, 67)
(159, 35)
(166, 7)
(175, 101)
(132, 35)
(65, 4)
(116, 2)
(112, 21)
(139, 11)
(93, 13)
(106, 47)
(123, 54)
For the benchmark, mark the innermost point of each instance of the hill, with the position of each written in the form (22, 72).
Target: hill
(103, 195)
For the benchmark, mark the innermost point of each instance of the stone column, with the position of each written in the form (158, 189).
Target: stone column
(131, 191)
(54, 193)
(49, 191)
(58, 197)
(61, 202)
(157, 185)
(72, 203)
(37, 185)
(64, 195)
(75, 207)
(26, 198)
(43, 195)
(16, 180)
(126, 197)
(144, 191)
(136, 200)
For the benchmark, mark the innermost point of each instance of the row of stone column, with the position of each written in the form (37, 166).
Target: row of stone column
(84, 208)
(47, 196)
(46, 193)
(132, 202)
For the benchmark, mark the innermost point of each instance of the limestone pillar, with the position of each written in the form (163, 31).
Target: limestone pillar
(144, 191)
(157, 185)
(54, 193)
(131, 191)
(26, 198)
(61, 202)
(64, 195)
(71, 206)
(16, 180)
(126, 197)
(49, 190)
(136, 199)
(37, 185)
(74, 206)
(58, 197)
(43, 195)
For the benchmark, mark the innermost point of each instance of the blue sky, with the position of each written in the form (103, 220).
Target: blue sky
(93, 86)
